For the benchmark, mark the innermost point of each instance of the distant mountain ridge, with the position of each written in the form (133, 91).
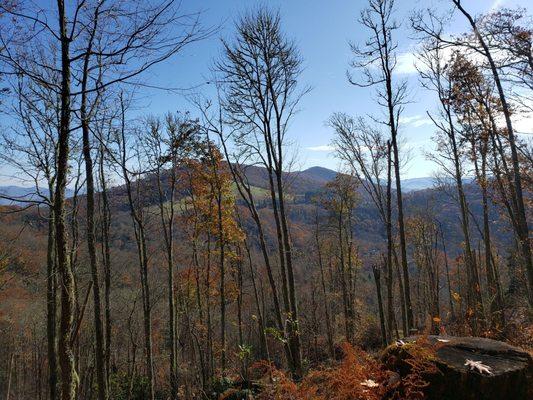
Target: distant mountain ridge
(325, 175)
(414, 184)
(21, 194)
(303, 186)
(310, 179)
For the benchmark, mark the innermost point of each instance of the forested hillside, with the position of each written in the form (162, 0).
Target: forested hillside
(148, 253)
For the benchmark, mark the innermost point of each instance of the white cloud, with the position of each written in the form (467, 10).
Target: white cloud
(410, 62)
(496, 4)
(522, 119)
(321, 148)
(416, 121)
(406, 63)
(523, 123)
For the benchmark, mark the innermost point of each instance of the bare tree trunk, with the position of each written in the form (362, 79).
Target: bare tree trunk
(210, 358)
(140, 239)
(294, 333)
(348, 329)
(450, 297)
(496, 303)
(246, 193)
(51, 307)
(240, 288)
(287, 326)
(167, 224)
(260, 318)
(10, 375)
(401, 290)
(90, 229)
(351, 270)
(401, 231)
(66, 356)
(390, 310)
(376, 271)
(329, 331)
(222, 287)
(106, 253)
(147, 312)
(172, 320)
(474, 298)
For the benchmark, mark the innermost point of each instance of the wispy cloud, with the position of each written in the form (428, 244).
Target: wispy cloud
(406, 63)
(496, 4)
(410, 61)
(416, 120)
(322, 148)
(522, 120)
(523, 123)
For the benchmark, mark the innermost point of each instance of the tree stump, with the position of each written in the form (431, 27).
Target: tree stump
(510, 376)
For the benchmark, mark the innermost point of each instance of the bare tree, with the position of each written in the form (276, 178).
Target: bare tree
(167, 143)
(103, 131)
(320, 261)
(340, 202)
(107, 37)
(451, 160)
(31, 150)
(131, 175)
(258, 73)
(377, 279)
(376, 60)
(363, 148)
(239, 161)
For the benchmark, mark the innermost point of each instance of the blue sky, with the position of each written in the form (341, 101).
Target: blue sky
(322, 30)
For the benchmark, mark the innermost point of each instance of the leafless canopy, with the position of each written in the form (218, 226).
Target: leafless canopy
(258, 73)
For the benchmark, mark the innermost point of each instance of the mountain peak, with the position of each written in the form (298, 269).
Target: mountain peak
(319, 174)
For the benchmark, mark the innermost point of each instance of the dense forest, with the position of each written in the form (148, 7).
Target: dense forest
(182, 255)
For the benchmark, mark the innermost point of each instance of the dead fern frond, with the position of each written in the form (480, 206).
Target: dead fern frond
(416, 360)
(358, 376)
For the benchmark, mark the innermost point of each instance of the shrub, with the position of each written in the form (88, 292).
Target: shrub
(119, 387)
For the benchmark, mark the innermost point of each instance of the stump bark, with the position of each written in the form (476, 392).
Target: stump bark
(511, 369)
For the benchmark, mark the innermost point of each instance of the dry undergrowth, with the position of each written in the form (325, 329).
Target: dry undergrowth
(418, 359)
(357, 377)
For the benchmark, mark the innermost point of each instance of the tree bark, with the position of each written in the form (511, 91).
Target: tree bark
(69, 378)
(106, 254)
(387, 70)
(140, 240)
(90, 229)
(375, 270)
(329, 331)
(51, 307)
(390, 311)
(10, 375)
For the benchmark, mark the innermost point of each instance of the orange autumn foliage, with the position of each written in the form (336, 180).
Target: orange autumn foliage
(353, 378)
(358, 376)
